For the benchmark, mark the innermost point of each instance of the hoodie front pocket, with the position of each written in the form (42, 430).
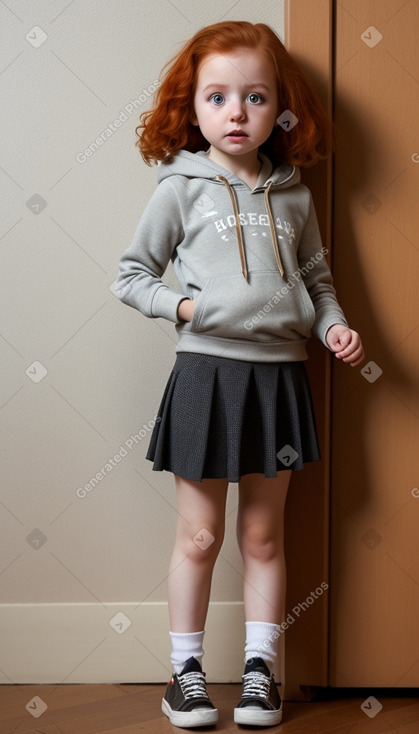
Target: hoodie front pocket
(264, 309)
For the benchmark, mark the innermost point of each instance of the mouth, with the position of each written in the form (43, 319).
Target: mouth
(237, 135)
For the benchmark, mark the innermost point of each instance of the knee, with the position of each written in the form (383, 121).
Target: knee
(260, 543)
(204, 545)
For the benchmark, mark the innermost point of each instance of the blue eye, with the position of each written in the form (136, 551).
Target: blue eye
(217, 98)
(255, 98)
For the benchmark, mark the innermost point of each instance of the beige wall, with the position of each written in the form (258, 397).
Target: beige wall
(81, 373)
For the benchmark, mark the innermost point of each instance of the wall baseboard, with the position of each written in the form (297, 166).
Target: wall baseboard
(110, 643)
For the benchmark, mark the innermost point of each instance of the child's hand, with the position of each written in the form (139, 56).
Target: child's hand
(346, 344)
(186, 309)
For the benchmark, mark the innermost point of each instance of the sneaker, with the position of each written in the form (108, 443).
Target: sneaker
(260, 703)
(186, 700)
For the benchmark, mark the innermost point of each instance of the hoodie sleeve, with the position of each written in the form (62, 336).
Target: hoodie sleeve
(318, 278)
(142, 265)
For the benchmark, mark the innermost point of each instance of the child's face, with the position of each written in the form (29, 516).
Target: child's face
(236, 101)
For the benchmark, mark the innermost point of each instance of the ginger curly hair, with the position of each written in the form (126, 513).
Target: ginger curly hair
(166, 128)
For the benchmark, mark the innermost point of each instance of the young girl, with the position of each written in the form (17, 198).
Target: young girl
(233, 118)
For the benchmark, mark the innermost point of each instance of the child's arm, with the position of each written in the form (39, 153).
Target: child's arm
(330, 324)
(142, 265)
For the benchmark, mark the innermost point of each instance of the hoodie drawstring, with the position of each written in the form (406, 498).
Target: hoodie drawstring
(238, 225)
(232, 193)
(273, 231)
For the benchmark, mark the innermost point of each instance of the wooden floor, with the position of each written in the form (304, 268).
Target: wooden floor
(131, 709)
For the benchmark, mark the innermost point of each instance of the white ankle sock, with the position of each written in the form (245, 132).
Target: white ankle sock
(184, 646)
(262, 642)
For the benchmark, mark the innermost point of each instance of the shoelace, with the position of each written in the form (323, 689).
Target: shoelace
(255, 684)
(193, 685)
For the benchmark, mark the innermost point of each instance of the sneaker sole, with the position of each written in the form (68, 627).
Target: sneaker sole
(257, 717)
(190, 719)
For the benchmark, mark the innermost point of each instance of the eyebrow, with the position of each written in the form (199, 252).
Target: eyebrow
(224, 86)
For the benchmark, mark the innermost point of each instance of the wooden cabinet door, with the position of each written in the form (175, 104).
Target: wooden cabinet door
(374, 582)
(354, 520)
(308, 26)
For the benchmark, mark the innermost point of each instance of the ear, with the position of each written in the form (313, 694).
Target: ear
(194, 120)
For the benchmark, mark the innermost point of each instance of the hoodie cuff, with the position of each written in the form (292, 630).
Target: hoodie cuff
(166, 303)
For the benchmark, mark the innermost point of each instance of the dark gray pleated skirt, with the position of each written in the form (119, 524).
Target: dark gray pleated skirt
(223, 417)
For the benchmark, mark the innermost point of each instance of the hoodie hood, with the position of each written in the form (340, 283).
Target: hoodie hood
(198, 165)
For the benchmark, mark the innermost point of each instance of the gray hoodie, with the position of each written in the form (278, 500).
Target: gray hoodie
(252, 259)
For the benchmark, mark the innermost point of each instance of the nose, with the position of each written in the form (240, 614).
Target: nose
(237, 111)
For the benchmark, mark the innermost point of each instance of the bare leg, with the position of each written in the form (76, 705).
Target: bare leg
(201, 507)
(260, 533)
